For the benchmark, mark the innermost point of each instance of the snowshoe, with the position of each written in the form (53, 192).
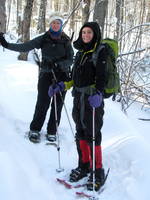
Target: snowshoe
(34, 136)
(99, 180)
(78, 173)
(51, 138)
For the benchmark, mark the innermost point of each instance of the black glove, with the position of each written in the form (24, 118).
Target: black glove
(3, 42)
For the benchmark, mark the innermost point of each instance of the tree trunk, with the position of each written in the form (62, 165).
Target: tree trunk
(56, 5)
(19, 22)
(9, 5)
(118, 17)
(100, 11)
(148, 13)
(72, 19)
(2, 16)
(86, 11)
(65, 6)
(26, 26)
(41, 20)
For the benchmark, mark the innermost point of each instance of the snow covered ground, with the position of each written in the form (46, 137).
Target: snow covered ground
(28, 171)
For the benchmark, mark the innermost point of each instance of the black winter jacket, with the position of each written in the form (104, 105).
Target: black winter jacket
(60, 51)
(85, 73)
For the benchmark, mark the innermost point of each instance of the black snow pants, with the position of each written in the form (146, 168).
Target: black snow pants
(43, 103)
(83, 117)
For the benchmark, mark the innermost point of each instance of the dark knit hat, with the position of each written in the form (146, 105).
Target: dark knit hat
(78, 44)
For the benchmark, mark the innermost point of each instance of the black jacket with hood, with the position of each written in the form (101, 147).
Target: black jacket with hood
(60, 51)
(84, 72)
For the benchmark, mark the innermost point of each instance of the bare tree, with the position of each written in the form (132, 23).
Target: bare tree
(19, 20)
(26, 26)
(72, 18)
(41, 20)
(86, 11)
(148, 13)
(134, 67)
(56, 5)
(2, 16)
(65, 6)
(118, 16)
(100, 11)
(9, 5)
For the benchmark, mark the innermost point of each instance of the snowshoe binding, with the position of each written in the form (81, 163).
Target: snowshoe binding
(99, 180)
(34, 136)
(51, 138)
(77, 174)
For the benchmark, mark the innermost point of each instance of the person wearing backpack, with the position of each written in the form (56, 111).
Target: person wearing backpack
(88, 81)
(57, 57)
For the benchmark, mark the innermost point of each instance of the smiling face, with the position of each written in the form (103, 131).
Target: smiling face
(87, 34)
(56, 25)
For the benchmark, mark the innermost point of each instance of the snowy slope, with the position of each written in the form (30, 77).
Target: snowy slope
(28, 171)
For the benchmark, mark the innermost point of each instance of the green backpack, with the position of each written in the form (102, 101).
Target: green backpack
(112, 84)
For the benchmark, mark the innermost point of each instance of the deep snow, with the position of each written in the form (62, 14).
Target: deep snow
(28, 171)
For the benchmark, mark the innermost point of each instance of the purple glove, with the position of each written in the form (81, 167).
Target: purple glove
(95, 100)
(53, 89)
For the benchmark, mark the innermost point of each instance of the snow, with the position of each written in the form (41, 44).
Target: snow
(28, 171)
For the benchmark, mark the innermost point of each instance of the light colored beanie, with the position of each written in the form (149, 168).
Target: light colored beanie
(56, 16)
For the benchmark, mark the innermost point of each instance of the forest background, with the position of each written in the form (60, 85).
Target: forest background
(127, 21)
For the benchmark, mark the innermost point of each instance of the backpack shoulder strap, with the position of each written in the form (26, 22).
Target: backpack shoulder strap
(96, 53)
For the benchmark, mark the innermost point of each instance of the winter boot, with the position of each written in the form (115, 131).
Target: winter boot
(34, 136)
(51, 138)
(79, 173)
(84, 161)
(99, 180)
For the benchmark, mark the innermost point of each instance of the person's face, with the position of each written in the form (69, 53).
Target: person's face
(55, 25)
(87, 34)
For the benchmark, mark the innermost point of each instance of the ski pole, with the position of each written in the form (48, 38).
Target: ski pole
(60, 169)
(93, 152)
(63, 103)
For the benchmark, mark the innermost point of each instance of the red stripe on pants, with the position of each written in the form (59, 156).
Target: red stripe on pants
(85, 151)
(98, 157)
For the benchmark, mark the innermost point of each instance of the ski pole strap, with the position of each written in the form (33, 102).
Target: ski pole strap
(54, 75)
(72, 36)
(53, 83)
